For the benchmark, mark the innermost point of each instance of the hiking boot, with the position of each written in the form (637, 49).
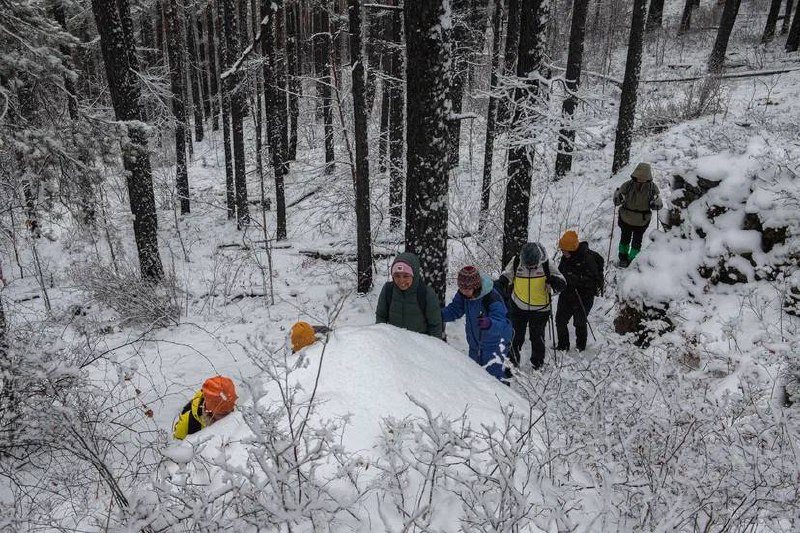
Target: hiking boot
(624, 262)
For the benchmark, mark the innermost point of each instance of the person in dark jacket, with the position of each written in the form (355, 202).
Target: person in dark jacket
(530, 280)
(636, 199)
(584, 279)
(407, 302)
(486, 320)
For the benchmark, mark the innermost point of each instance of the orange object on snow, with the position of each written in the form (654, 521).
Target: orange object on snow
(302, 335)
(569, 241)
(219, 394)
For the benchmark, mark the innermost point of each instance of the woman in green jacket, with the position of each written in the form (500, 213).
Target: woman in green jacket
(407, 302)
(636, 198)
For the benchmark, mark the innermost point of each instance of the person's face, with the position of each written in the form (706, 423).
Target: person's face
(566, 253)
(403, 280)
(467, 293)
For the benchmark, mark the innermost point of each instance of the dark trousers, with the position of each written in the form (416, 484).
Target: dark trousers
(631, 235)
(536, 321)
(569, 307)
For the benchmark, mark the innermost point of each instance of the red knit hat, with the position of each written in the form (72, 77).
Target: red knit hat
(469, 278)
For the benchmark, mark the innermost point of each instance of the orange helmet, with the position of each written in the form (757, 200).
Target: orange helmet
(219, 395)
(302, 335)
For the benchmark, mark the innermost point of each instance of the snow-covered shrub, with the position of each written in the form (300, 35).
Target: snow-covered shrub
(694, 100)
(135, 300)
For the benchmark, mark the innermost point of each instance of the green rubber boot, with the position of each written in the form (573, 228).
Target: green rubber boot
(632, 255)
(624, 250)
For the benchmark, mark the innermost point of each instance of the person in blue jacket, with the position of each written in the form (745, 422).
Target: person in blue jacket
(487, 326)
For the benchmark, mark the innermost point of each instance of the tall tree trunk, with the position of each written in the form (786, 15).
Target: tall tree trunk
(159, 16)
(194, 70)
(787, 16)
(458, 77)
(383, 135)
(269, 13)
(235, 88)
(69, 84)
(204, 61)
(716, 61)
(255, 21)
(533, 36)
(361, 170)
(396, 124)
(428, 53)
(772, 21)
(122, 69)
(630, 86)
(147, 33)
(281, 82)
(566, 137)
(686, 17)
(322, 55)
(373, 47)
(491, 116)
(225, 96)
(793, 40)
(176, 74)
(292, 47)
(510, 57)
(214, 62)
(654, 15)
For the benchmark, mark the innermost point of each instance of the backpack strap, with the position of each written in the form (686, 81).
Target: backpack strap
(489, 299)
(422, 298)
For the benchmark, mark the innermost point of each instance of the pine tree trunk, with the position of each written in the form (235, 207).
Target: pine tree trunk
(235, 88)
(787, 16)
(510, 57)
(159, 15)
(428, 52)
(193, 68)
(122, 69)
(244, 42)
(269, 14)
(373, 47)
(491, 117)
(716, 60)
(361, 171)
(566, 137)
(203, 57)
(793, 40)
(225, 97)
(772, 21)
(213, 64)
(293, 32)
(69, 83)
(533, 35)
(322, 60)
(630, 86)
(147, 33)
(396, 123)
(686, 17)
(176, 74)
(281, 83)
(654, 15)
(259, 90)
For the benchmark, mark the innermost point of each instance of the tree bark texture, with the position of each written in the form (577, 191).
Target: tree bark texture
(235, 88)
(491, 116)
(212, 26)
(281, 83)
(176, 75)
(121, 70)
(361, 171)
(428, 52)
(193, 68)
(630, 87)
(225, 97)
(510, 56)
(793, 40)
(654, 15)
(533, 38)
(203, 57)
(787, 16)
(566, 137)
(716, 61)
(292, 47)
(686, 17)
(159, 16)
(322, 55)
(396, 122)
(772, 21)
(269, 12)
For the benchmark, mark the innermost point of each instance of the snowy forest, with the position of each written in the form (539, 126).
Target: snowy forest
(188, 187)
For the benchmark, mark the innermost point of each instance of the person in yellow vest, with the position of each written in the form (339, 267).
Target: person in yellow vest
(530, 281)
(214, 400)
(304, 334)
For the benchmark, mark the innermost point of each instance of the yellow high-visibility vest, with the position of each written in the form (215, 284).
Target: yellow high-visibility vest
(190, 420)
(532, 291)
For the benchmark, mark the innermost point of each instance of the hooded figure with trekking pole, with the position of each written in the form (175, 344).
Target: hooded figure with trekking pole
(637, 199)
(583, 270)
(529, 281)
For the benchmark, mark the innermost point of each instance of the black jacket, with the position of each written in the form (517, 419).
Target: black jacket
(581, 271)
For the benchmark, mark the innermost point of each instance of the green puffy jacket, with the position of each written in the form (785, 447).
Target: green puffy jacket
(402, 308)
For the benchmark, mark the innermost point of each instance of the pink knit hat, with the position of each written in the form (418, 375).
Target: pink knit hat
(402, 266)
(469, 278)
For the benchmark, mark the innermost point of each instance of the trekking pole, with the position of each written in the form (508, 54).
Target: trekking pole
(585, 314)
(611, 237)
